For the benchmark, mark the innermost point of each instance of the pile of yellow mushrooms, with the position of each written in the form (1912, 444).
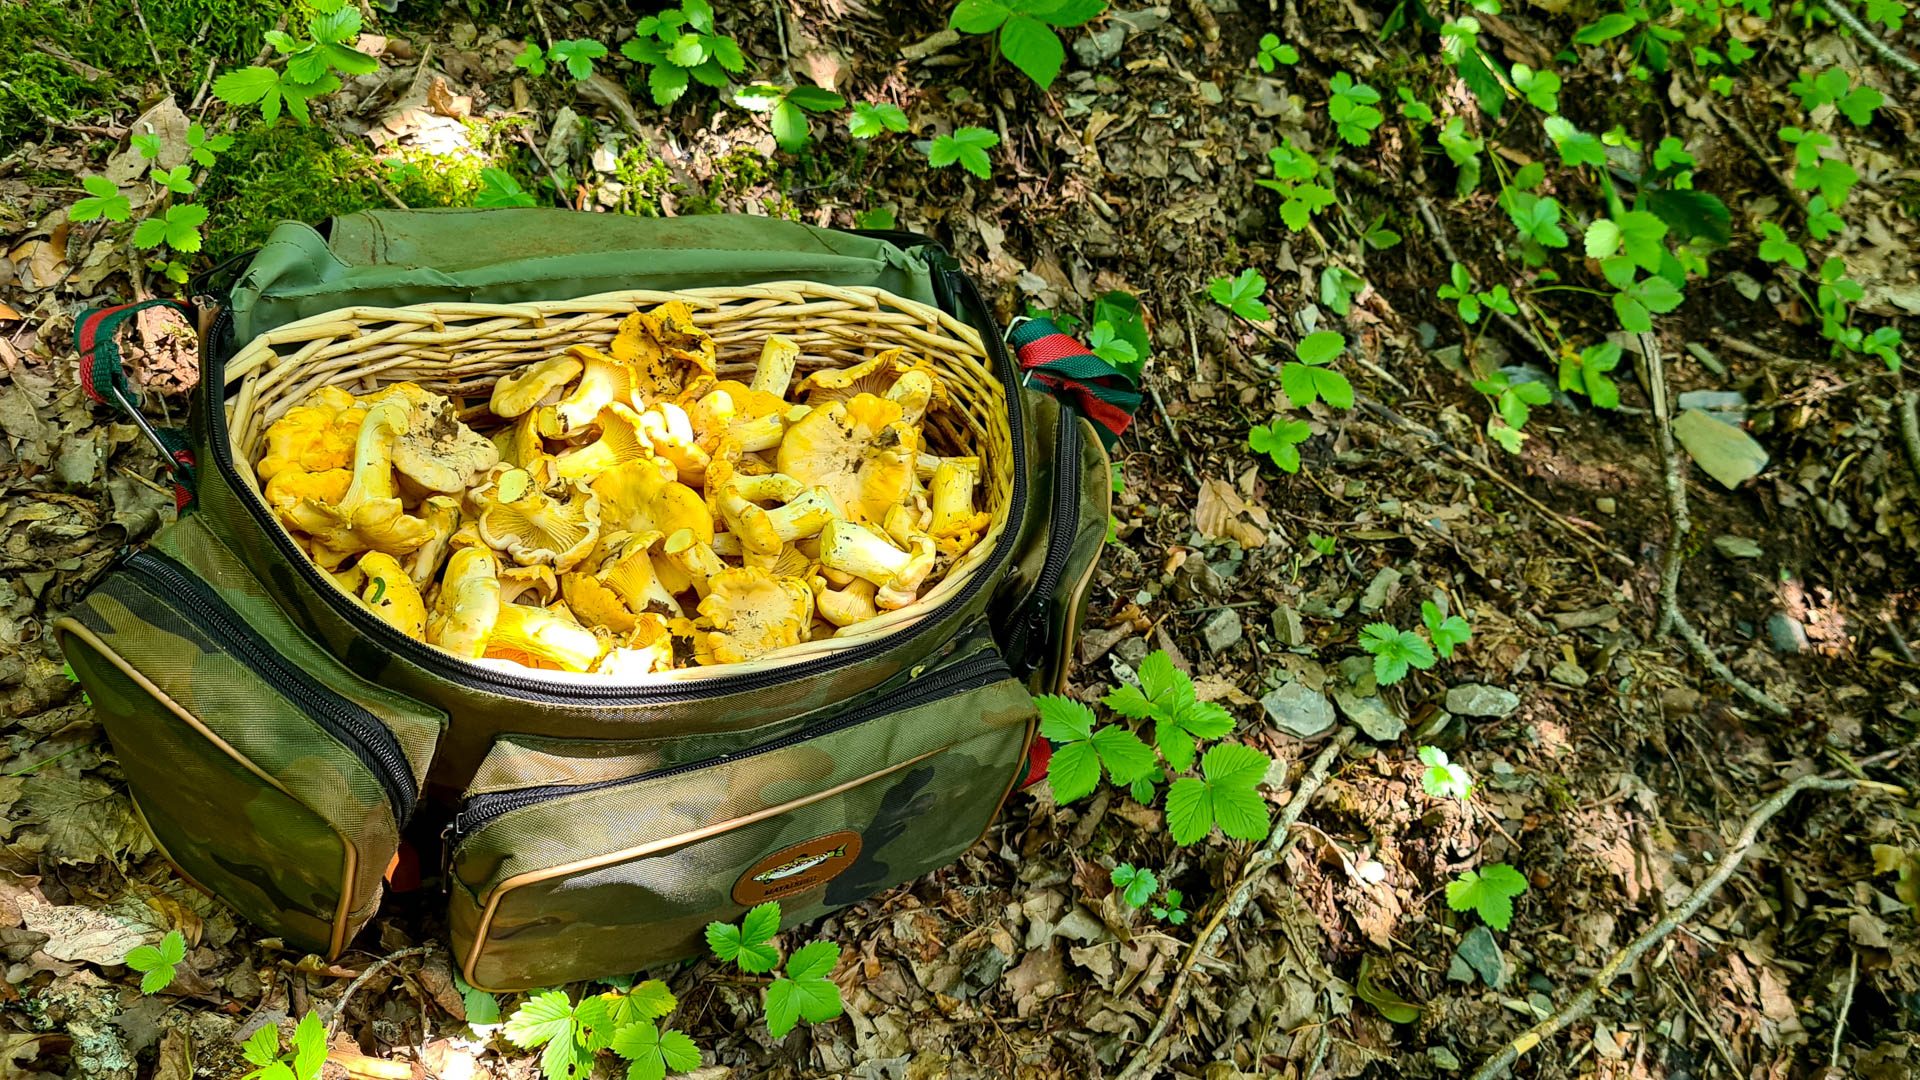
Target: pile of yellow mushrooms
(635, 512)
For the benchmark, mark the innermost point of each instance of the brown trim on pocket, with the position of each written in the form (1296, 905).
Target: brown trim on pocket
(1019, 770)
(659, 847)
(160, 846)
(337, 938)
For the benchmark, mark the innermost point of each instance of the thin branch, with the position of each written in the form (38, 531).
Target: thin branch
(340, 1006)
(1910, 428)
(1736, 853)
(1846, 1006)
(1269, 856)
(1446, 248)
(1671, 620)
(1848, 19)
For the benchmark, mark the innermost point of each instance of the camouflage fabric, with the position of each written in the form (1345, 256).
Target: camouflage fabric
(615, 880)
(246, 793)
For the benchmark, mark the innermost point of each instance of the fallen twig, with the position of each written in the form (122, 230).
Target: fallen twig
(1671, 620)
(1736, 853)
(340, 1006)
(1838, 9)
(1446, 248)
(1269, 856)
(1846, 1006)
(1910, 428)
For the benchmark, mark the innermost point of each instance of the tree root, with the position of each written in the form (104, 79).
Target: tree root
(1583, 1003)
(1671, 620)
(340, 1006)
(1269, 856)
(1838, 9)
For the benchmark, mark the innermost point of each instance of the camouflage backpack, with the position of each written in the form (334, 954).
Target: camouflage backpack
(289, 755)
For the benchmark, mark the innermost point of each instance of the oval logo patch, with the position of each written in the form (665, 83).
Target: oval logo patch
(801, 868)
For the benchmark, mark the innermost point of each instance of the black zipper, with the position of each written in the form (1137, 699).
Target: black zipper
(473, 677)
(981, 669)
(1029, 628)
(353, 726)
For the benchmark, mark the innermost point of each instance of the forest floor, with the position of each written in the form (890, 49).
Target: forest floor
(1612, 768)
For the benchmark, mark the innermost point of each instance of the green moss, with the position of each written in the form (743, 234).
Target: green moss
(299, 173)
(111, 59)
(644, 178)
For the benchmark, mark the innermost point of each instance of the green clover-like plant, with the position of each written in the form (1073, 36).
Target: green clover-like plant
(531, 59)
(1351, 106)
(1394, 651)
(567, 1034)
(1576, 147)
(803, 991)
(1448, 632)
(681, 46)
(303, 1058)
(178, 228)
(1309, 378)
(1586, 372)
(155, 963)
(1166, 696)
(968, 146)
(1776, 247)
(1273, 52)
(1136, 884)
(750, 944)
(577, 56)
(498, 188)
(1225, 795)
(1081, 752)
(870, 119)
(103, 201)
(1241, 295)
(1488, 893)
(1443, 779)
(1280, 441)
(789, 106)
(1541, 88)
(652, 1052)
(1168, 909)
(313, 64)
(1025, 30)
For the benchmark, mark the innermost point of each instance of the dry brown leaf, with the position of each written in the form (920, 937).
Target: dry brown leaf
(1221, 514)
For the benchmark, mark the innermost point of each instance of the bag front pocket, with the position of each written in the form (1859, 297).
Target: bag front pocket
(267, 773)
(561, 882)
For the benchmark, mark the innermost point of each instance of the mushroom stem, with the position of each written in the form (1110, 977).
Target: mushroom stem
(777, 358)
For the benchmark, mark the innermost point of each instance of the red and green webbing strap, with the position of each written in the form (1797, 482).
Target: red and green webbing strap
(1069, 371)
(103, 375)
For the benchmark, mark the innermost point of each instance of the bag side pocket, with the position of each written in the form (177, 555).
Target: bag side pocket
(278, 785)
(560, 882)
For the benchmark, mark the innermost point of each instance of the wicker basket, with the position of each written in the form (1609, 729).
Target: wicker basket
(460, 350)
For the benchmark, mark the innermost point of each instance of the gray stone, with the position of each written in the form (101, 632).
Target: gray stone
(1140, 22)
(1358, 671)
(1568, 673)
(1480, 952)
(1223, 630)
(1371, 714)
(1786, 633)
(1379, 590)
(1737, 547)
(1479, 699)
(1444, 1058)
(1728, 403)
(1101, 46)
(1287, 626)
(1576, 620)
(1298, 711)
(1132, 651)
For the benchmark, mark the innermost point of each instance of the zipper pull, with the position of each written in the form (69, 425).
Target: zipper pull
(446, 854)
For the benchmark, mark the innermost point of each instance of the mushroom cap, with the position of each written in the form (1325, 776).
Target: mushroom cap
(669, 431)
(647, 649)
(389, 592)
(289, 486)
(468, 605)
(557, 528)
(518, 392)
(370, 515)
(620, 442)
(594, 603)
(603, 380)
(538, 580)
(538, 638)
(859, 450)
(314, 436)
(668, 352)
(641, 497)
(873, 375)
(519, 443)
(845, 606)
(443, 513)
(629, 569)
(749, 612)
(438, 451)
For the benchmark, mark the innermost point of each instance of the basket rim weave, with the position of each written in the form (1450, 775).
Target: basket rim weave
(467, 345)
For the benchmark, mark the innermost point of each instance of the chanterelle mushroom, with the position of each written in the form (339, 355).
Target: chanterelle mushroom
(443, 513)
(643, 497)
(620, 442)
(520, 391)
(844, 607)
(863, 552)
(775, 370)
(289, 486)
(557, 528)
(369, 516)
(648, 648)
(539, 638)
(468, 605)
(313, 437)
(389, 593)
(747, 613)
(871, 376)
(438, 451)
(667, 351)
(694, 559)
(859, 450)
(603, 380)
(669, 431)
(628, 569)
(804, 511)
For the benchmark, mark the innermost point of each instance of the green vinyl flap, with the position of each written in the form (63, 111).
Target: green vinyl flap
(392, 258)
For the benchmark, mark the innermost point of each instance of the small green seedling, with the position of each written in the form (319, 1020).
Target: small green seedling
(878, 217)
(1294, 177)
(155, 963)
(498, 188)
(1136, 884)
(1026, 30)
(1448, 632)
(680, 46)
(103, 201)
(789, 106)
(968, 146)
(1394, 651)
(1489, 893)
(1107, 344)
(1168, 909)
(1513, 407)
(1576, 147)
(1353, 108)
(1310, 378)
(1541, 88)
(804, 992)
(750, 944)
(1832, 85)
(577, 56)
(1274, 52)
(1442, 778)
(204, 150)
(1471, 302)
(870, 119)
(1888, 13)
(1081, 752)
(482, 1008)
(1225, 795)
(653, 1051)
(1322, 544)
(1241, 295)
(178, 228)
(302, 1060)
(1280, 441)
(531, 59)
(1338, 287)
(313, 66)
(1586, 372)
(571, 1034)
(1775, 247)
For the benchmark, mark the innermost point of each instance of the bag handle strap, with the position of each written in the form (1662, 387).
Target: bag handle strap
(103, 375)
(1105, 395)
